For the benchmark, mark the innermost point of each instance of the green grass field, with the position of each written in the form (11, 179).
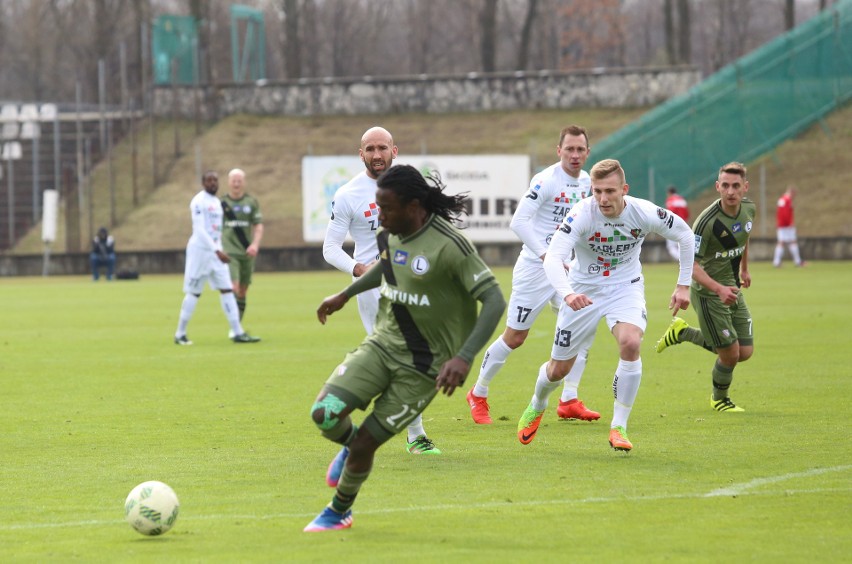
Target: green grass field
(96, 399)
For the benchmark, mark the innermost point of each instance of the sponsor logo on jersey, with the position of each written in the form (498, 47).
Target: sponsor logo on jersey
(533, 193)
(737, 227)
(405, 298)
(420, 265)
(400, 257)
(565, 228)
(731, 253)
(372, 210)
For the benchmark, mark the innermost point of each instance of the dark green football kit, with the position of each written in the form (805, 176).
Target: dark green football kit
(720, 241)
(244, 215)
(430, 284)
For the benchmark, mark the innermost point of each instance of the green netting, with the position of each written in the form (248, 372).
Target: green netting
(174, 39)
(741, 112)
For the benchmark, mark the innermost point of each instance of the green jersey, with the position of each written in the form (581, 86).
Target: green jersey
(246, 213)
(720, 241)
(430, 284)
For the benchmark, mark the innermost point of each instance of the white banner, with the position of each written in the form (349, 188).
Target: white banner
(494, 184)
(49, 216)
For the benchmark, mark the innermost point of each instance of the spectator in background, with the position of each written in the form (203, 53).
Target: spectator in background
(676, 204)
(103, 254)
(786, 229)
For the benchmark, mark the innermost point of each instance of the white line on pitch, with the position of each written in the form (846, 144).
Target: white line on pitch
(740, 490)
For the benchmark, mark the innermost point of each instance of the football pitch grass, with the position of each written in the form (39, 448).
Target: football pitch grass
(96, 399)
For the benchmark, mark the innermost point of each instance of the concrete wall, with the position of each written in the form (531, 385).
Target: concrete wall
(310, 258)
(603, 88)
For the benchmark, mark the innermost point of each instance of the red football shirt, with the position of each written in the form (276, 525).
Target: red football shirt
(784, 214)
(677, 205)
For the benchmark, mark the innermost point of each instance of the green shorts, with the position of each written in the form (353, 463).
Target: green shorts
(723, 325)
(241, 267)
(400, 392)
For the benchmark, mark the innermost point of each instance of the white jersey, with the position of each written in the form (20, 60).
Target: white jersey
(353, 211)
(206, 212)
(551, 195)
(607, 249)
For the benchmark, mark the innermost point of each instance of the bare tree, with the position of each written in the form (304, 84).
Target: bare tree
(488, 40)
(592, 34)
(684, 54)
(789, 14)
(292, 56)
(526, 33)
(669, 32)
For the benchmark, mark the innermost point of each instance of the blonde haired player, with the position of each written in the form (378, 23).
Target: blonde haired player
(605, 282)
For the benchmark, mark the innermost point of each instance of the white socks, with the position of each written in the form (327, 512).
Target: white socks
(415, 428)
(493, 360)
(187, 308)
(232, 312)
(794, 252)
(572, 379)
(543, 389)
(625, 386)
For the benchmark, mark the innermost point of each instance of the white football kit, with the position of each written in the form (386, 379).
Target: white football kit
(552, 193)
(354, 211)
(607, 268)
(202, 264)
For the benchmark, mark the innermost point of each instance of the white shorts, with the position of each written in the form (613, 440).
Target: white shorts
(787, 234)
(531, 291)
(620, 303)
(203, 265)
(368, 308)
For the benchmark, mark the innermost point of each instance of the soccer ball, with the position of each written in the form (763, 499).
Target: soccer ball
(151, 508)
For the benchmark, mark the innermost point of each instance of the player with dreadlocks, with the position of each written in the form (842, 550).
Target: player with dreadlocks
(427, 332)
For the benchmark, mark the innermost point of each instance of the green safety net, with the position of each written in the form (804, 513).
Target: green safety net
(741, 112)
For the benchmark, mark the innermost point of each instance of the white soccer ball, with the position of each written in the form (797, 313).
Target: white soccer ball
(151, 508)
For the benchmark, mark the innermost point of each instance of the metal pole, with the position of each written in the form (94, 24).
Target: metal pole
(764, 224)
(57, 153)
(11, 179)
(198, 159)
(651, 183)
(122, 53)
(111, 175)
(36, 191)
(91, 210)
(175, 107)
(81, 163)
(102, 104)
(133, 151)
